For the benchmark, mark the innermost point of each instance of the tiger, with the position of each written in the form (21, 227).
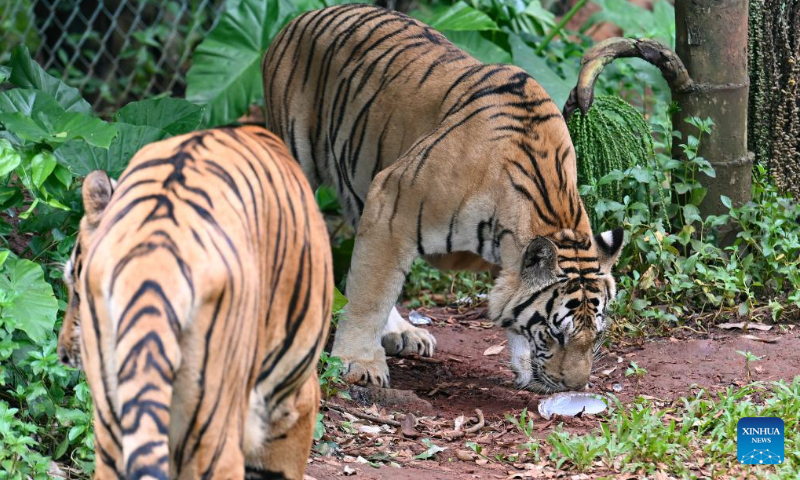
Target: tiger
(467, 165)
(200, 296)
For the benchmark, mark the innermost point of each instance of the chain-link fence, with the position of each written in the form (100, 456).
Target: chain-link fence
(114, 51)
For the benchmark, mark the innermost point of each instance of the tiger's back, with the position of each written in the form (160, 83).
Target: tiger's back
(353, 89)
(205, 292)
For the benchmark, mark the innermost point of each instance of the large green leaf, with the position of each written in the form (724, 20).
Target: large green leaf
(479, 47)
(172, 115)
(226, 69)
(5, 72)
(26, 73)
(339, 300)
(81, 158)
(36, 116)
(457, 17)
(42, 165)
(9, 157)
(30, 305)
(525, 58)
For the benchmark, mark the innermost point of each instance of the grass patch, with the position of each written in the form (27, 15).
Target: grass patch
(694, 437)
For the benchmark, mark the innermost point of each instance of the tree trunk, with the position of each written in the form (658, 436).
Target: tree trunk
(711, 39)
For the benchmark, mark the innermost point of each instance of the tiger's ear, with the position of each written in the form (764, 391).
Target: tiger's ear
(609, 246)
(97, 190)
(539, 260)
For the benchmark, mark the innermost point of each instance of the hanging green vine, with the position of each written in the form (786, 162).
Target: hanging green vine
(611, 136)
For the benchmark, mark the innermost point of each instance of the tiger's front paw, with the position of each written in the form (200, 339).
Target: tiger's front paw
(366, 371)
(401, 338)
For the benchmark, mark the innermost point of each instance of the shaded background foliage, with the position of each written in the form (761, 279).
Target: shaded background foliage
(113, 51)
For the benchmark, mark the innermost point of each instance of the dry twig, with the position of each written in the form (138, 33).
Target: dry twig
(363, 416)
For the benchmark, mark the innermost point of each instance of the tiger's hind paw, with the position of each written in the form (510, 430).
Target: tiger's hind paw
(401, 338)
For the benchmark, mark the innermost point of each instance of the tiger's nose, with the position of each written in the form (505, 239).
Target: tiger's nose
(576, 383)
(63, 356)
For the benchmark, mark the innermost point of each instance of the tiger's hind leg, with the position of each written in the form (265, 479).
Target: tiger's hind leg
(289, 431)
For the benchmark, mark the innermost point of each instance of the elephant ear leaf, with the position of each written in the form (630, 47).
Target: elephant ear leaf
(26, 73)
(30, 305)
(225, 75)
(172, 115)
(36, 116)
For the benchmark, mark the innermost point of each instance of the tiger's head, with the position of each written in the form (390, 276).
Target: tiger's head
(553, 307)
(97, 189)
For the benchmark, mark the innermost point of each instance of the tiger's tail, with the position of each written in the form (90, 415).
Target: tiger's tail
(148, 356)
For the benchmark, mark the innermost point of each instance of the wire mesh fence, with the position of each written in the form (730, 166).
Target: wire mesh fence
(114, 51)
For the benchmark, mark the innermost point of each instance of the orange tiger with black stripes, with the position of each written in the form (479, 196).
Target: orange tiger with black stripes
(437, 155)
(200, 299)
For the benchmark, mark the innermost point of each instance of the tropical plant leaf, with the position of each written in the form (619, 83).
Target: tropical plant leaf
(479, 47)
(226, 72)
(42, 165)
(5, 72)
(26, 73)
(172, 115)
(9, 157)
(81, 158)
(525, 58)
(339, 300)
(32, 307)
(457, 17)
(36, 116)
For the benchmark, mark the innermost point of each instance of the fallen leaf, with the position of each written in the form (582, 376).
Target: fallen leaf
(493, 350)
(408, 426)
(760, 339)
(481, 461)
(369, 429)
(607, 372)
(464, 455)
(745, 326)
(459, 422)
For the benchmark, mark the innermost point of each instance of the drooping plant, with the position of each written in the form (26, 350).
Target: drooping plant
(612, 135)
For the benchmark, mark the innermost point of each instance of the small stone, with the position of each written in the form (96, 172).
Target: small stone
(617, 387)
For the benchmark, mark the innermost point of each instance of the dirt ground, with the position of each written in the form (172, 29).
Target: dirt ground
(430, 395)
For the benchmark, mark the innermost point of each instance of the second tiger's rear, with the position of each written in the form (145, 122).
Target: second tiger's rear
(201, 289)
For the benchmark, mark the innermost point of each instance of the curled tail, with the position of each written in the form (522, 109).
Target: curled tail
(148, 356)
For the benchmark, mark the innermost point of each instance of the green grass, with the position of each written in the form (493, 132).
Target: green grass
(694, 437)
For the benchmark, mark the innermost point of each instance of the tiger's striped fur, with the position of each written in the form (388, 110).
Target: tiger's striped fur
(435, 154)
(204, 284)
